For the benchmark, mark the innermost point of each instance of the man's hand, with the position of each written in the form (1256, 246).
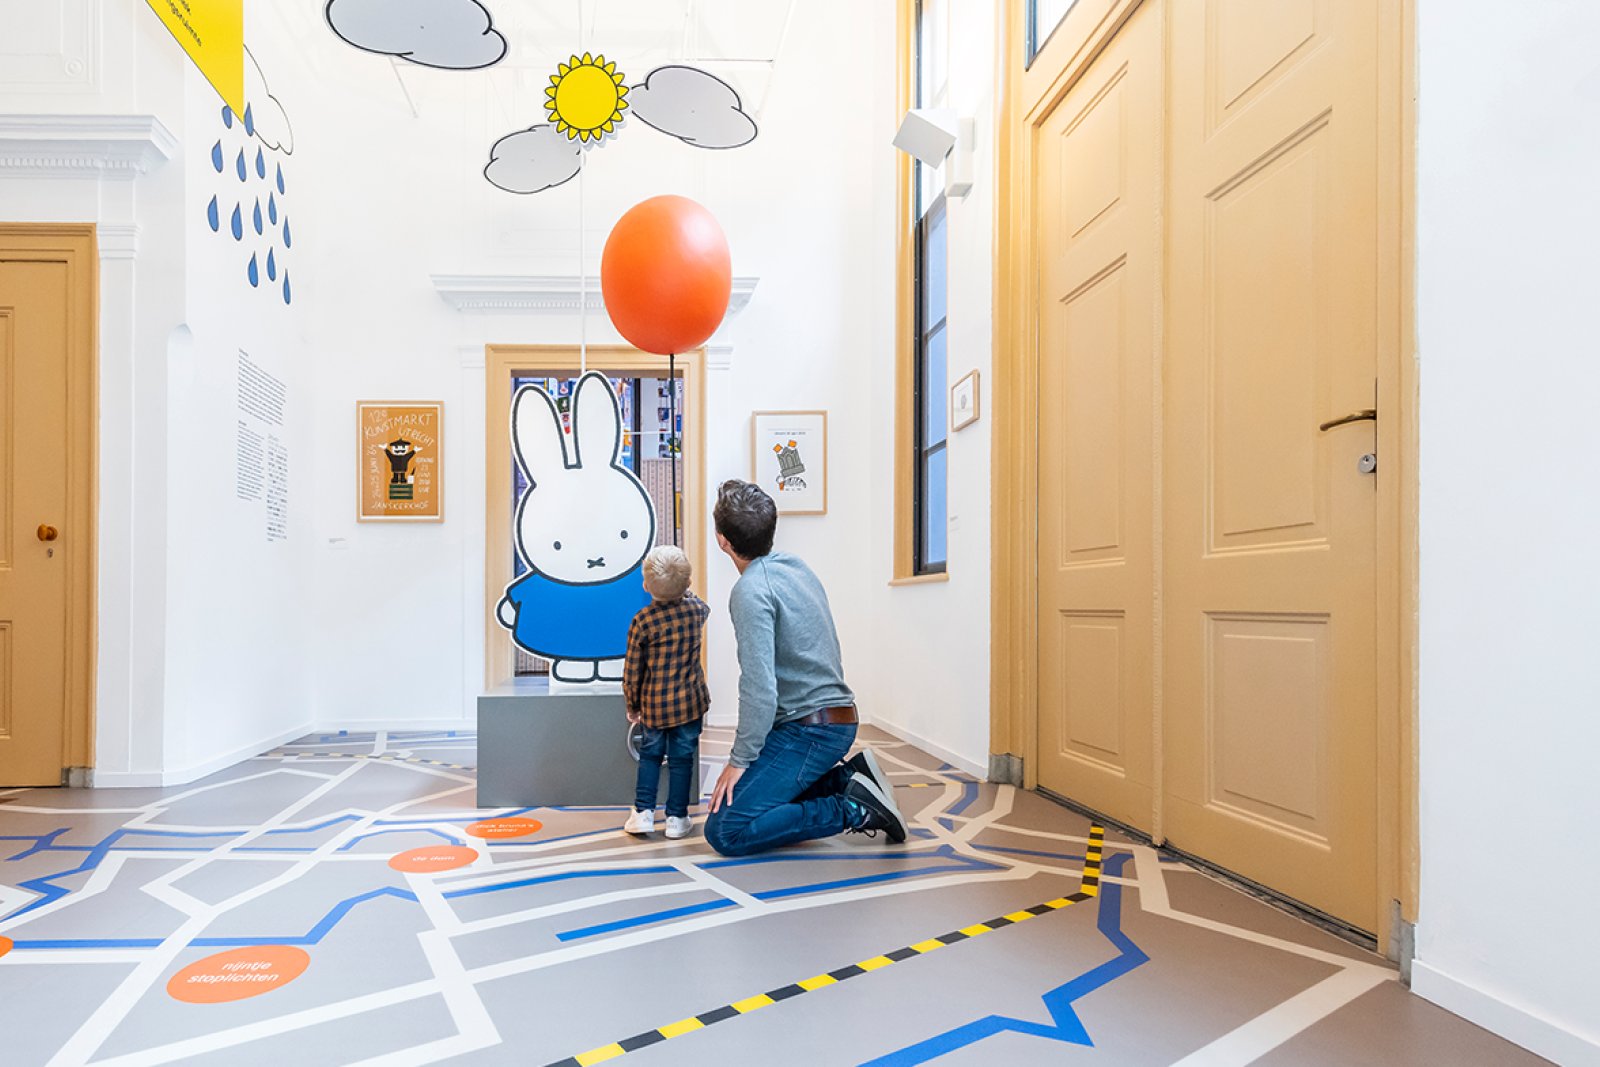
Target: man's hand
(724, 788)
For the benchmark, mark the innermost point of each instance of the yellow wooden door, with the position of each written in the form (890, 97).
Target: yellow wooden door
(1269, 700)
(1097, 198)
(35, 358)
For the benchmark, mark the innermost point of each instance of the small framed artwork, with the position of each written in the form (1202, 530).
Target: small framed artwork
(790, 459)
(964, 402)
(400, 461)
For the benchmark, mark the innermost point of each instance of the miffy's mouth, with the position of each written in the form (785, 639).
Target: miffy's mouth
(593, 563)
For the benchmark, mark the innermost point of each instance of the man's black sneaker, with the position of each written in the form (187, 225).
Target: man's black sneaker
(877, 807)
(865, 764)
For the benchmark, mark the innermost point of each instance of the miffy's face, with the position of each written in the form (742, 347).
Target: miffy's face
(585, 520)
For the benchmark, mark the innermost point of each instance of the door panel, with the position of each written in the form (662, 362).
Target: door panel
(1269, 712)
(1097, 201)
(34, 484)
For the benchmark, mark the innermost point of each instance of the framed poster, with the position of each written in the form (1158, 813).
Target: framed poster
(964, 402)
(790, 450)
(400, 461)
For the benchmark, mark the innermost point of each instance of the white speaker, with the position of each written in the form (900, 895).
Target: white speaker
(928, 134)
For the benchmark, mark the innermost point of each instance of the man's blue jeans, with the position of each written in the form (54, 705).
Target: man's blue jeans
(680, 747)
(794, 791)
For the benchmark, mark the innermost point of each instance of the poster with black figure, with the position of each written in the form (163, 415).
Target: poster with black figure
(400, 461)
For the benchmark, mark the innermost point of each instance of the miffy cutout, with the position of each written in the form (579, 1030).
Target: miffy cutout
(583, 527)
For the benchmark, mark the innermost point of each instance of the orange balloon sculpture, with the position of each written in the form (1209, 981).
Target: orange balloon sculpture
(667, 275)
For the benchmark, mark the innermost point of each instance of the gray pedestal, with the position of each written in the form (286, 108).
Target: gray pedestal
(543, 749)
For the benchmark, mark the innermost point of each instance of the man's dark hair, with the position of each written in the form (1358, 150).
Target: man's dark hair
(747, 517)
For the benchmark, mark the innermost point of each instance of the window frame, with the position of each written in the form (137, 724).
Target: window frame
(924, 332)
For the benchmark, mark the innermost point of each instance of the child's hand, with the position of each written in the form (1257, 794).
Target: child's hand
(633, 717)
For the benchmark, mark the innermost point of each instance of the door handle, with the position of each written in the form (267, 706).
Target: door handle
(1364, 415)
(48, 533)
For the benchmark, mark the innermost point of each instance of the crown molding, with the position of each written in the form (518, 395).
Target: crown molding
(543, 294)
(83, 146)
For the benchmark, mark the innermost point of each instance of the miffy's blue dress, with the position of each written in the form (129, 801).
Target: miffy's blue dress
(560, 621)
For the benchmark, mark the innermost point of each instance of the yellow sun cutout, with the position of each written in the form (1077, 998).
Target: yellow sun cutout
(586, 98)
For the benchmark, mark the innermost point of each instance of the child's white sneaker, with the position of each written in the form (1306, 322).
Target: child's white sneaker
(643, 822)
(678, 826)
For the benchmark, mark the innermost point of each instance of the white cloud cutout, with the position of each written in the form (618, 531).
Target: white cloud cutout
(693, 106)
(533, 160)
(268, 122)
(449, 34)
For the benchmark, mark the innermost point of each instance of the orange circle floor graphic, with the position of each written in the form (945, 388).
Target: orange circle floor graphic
(495, 829)
(238, 973)
(5, 945)
(433, 858)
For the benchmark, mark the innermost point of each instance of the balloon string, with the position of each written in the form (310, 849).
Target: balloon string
(673, 450)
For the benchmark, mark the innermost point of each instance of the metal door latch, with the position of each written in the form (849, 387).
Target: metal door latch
(1368, 463)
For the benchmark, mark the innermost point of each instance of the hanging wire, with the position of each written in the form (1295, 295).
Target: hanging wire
(674, 448)
(583, 269)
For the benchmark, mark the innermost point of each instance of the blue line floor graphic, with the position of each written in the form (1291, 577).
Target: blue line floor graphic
(1064, 1025)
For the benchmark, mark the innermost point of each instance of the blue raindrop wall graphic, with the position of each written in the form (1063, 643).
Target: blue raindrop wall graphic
(267, 249)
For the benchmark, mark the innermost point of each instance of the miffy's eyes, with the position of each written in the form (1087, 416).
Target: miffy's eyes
(624, 535)
(558, 546)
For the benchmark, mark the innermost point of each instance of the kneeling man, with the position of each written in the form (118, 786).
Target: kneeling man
(784, 782)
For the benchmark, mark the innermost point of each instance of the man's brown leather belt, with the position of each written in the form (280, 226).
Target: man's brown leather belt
(828, 717)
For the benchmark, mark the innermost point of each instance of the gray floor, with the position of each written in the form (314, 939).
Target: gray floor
(579, 944)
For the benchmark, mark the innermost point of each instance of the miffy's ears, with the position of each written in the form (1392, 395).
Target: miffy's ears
(536, 436)
(597, 422)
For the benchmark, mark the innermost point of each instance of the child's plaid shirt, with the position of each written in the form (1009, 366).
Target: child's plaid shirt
(662, 679)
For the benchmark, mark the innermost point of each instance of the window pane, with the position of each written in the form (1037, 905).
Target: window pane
(935, 519)
(1047, 15)
(935, 388)
(935, 259)
(932, 52)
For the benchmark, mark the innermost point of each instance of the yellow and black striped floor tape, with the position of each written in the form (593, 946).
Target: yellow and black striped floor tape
(380, 757)
(1089, 888)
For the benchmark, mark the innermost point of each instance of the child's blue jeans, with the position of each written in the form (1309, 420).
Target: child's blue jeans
(680, 747)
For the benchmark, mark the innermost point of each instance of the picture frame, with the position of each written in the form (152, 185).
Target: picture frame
(966, 402)
(789, 459)
(395, 484)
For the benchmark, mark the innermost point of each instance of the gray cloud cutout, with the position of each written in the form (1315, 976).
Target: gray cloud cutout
(533, 160)
(697, 108)
(448, 34)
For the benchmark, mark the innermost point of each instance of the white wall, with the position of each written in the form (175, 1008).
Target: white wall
(1510, 699)
(404, 200)
(932, 685)
(199, 657)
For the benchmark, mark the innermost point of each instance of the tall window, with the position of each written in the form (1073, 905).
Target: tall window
(931, 423)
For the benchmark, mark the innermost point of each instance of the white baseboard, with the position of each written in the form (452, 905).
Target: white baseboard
(194, 772)
(1518, 1025)
(974, 769)
(367, 726)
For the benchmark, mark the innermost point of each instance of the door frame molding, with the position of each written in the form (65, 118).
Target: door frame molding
(76, 243)
(500, 361)
(1024, 98)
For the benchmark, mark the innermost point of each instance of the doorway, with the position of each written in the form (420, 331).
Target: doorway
(663, 453)
(1209, 253)
(47, 406)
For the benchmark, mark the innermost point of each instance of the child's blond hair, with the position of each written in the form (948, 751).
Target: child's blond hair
(667, 570)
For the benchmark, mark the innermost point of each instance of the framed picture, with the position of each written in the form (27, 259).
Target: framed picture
(790, 459)
(965, 402)
(400, 461)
